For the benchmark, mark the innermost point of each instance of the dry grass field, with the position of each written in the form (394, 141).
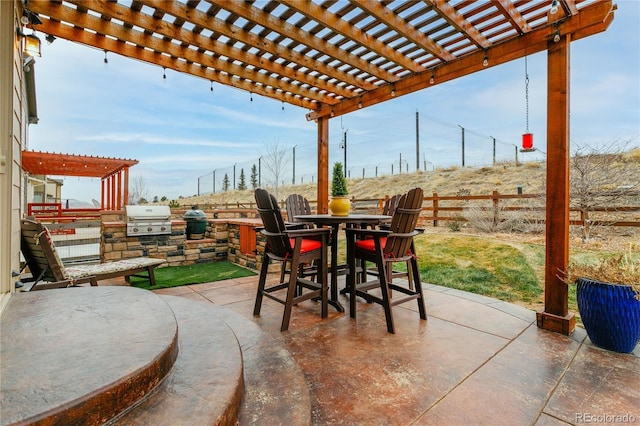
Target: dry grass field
(504, 178)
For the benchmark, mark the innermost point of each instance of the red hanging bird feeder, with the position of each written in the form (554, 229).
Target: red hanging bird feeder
(527, 141)
(527, 138)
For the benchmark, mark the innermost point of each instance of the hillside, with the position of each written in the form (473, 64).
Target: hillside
(503, 177)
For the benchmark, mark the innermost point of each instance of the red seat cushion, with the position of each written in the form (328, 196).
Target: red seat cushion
(307, 245)
(370, 244)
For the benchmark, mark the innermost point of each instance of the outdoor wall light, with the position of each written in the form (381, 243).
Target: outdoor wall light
(32, 45)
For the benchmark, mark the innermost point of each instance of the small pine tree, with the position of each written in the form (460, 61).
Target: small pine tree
(225, 183)
(242, 185)
(254, 177)
(338, 183)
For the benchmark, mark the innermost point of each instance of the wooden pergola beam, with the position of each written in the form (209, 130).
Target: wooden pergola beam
(183, 12)
(301, 36)
(137, 52)
(592, 19)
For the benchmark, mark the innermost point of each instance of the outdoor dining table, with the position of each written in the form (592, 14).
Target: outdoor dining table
(334, 223)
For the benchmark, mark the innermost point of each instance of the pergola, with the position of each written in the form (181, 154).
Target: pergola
(114, 172)
(333, 57)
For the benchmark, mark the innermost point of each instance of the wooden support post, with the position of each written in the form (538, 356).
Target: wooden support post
(555, 316)
(435, 209)
(103, 192)
(323, 165)
(125, 194)
(119, 205)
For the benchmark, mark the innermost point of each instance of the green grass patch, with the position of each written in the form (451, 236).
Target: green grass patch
(174, 276)
(477, 265)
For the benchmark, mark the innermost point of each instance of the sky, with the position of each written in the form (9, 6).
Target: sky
(183, 133)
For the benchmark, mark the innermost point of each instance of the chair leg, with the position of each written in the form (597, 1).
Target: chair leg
(291, 294)
(418, 287)
(386, 294)
(351, 278)
(322, 278)
(261, 283)
(152, 277)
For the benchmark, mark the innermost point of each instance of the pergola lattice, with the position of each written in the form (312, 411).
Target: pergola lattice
(113, 172)
(332, 57)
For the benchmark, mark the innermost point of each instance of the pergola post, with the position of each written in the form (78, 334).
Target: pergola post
(323, 165)
(125, 185)
(556, 316)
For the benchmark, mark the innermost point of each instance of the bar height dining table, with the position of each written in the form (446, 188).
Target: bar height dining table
(334, 222)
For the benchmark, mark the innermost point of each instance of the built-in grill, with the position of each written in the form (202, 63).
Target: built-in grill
(148, 220)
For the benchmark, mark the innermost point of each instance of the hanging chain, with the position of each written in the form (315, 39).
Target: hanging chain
(526, 90)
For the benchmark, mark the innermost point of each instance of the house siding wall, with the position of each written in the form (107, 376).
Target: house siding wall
(13, 130)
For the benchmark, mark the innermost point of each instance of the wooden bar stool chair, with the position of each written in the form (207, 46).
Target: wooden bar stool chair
(296, 246)
(384, 248)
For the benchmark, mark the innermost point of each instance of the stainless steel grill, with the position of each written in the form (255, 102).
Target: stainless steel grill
(148, 220)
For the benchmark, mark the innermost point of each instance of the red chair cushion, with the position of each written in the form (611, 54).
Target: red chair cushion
(307, 245)
(370, 244)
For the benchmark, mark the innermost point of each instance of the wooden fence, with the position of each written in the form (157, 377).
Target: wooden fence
(455, 208)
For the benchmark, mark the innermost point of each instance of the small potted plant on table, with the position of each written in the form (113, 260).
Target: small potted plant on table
(608, 296)
(340, 203)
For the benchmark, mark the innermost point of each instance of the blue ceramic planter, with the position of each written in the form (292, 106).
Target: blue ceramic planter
(610, 314)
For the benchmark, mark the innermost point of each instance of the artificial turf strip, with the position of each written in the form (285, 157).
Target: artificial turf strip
(174, 276)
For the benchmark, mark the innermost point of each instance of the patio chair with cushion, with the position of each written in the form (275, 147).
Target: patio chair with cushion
(297, 246)
(296, 204)
(384, 248)
(48, 271)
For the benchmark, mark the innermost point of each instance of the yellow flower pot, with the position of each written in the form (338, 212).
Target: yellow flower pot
(340, 205)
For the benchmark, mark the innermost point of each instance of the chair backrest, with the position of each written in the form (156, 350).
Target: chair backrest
(40, 253)
(296, 205)
(274, 228)
(403, 224)
(390, 205)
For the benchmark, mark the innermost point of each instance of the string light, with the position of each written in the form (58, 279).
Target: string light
(332, 113)
(250, 96)
(106, 61)
(556, 36)
(360, 102)
(393, 90)
(164, 73)
(283, 105)
(554, 7)
(485, 61)
(432, 79)
(212, 85)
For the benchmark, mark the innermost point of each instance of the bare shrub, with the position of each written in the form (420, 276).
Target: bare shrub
(600, 178)
(496, 219)
(531, 215)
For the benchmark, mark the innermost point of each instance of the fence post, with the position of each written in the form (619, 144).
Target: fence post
(435, 209)
(496, 218)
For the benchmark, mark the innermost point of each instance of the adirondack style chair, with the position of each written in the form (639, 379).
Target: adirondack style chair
(296, 247)
(384, 247)
(48, 271)
(296, 204)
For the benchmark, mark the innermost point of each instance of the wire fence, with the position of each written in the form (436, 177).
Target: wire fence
(434, 144)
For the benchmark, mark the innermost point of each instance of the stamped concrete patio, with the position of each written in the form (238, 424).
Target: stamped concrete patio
(476, 360)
